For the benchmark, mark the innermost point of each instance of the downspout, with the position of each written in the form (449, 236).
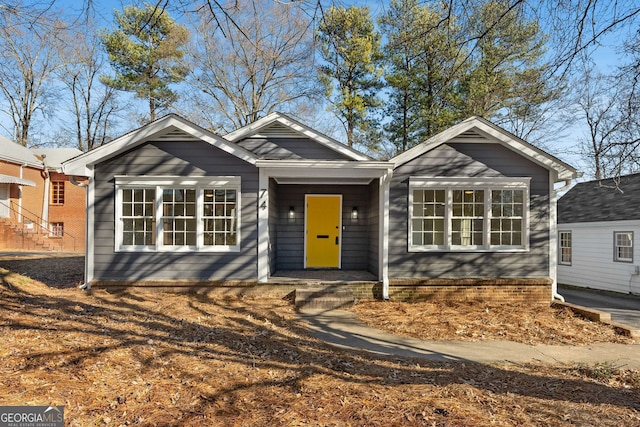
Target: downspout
(553, 241)
(86, 285)
(22, 166)
(45, 198)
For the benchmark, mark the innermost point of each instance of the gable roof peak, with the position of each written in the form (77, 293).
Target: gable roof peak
(156, 129)
(493, 132)
(297, 127)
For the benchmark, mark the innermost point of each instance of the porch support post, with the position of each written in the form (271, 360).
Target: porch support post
(383, 250)
(263, 226)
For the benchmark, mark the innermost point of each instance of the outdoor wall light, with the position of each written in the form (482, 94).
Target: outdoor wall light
(354, 213)
(292, 213)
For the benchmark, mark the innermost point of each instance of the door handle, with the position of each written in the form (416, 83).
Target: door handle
(336, 240)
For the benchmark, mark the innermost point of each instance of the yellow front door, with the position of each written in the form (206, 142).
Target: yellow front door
(323, 228)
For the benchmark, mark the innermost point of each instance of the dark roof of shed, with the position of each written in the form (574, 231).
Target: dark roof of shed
(601, 200)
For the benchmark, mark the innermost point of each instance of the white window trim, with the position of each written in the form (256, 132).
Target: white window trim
(487, 184)
(616, 258)
(560, 247)
(161, 182)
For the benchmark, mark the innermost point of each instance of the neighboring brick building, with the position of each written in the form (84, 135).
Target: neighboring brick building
(40, 209)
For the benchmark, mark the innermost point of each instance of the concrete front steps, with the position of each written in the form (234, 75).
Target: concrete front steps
(323, 297)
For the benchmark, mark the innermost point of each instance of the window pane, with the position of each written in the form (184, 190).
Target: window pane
(507, 207)
(138, 225)
(179, 216)
(516, 238)
(417, 238)
(220, 217)
(428, 217)
(467, 223)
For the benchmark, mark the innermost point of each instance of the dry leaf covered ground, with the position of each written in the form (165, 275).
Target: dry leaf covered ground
(158, 359)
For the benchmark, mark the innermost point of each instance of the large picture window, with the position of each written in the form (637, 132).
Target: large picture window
(451, 214)
(177, 214)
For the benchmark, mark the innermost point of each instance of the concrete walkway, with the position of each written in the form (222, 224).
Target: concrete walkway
(624, 308)
(341, 328)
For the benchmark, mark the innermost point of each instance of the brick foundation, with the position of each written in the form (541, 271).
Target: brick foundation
(502, 291)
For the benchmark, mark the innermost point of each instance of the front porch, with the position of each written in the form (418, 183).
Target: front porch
(359, 233)
(321, 277)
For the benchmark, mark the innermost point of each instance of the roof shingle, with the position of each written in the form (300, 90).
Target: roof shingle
(601, 200)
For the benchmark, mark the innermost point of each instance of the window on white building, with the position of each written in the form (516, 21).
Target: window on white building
(566, 247)
(623, 246)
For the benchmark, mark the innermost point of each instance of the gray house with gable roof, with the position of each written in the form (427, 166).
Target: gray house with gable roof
(598, 228)
(471, 210)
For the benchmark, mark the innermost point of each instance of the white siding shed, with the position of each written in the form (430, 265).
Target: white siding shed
(598, 231)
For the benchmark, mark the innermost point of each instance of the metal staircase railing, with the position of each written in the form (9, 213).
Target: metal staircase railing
(32, 224)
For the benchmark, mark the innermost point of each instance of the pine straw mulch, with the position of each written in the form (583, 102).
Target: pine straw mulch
(158, 359)
(468, 321)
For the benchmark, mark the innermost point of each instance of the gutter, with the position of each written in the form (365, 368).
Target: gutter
(22, 166)
(45, 197)
(554, 288)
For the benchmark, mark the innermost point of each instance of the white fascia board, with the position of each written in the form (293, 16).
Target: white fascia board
(34, 163)
(145, 180)
(323, 169)
(323, 139)
(549, 162)
(80, 165)
(473, 181)
(256, 126)
(251, 129)
(330, 164)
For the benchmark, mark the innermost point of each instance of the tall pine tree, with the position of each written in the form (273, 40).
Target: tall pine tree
(422, 63)
(350, 50)
(145, 51)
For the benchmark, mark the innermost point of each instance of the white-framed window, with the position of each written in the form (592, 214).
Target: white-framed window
(462, 214)
(566, 247)
(57, 229)
(57, 192)
(623, 246)
(177, 213)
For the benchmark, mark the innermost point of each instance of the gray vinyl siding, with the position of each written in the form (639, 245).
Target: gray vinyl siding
(173, 158)
(274, 148)
(470, 160)
(290, 235)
